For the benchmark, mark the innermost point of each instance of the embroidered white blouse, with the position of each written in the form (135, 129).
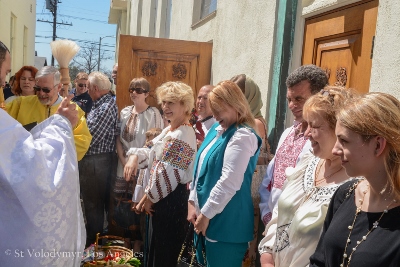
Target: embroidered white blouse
(169, 161)
(296, 225)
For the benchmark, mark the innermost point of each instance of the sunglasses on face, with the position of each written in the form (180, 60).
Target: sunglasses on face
(82, 85)
(44, 89)
(137, 90)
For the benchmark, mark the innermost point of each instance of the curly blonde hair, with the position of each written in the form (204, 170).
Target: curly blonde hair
(176, 92)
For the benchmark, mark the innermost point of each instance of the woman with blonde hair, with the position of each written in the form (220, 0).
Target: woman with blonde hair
(296, 224)
(24, 82)
(169, 159)
(362, 223)
(220, 204)
(253, 96)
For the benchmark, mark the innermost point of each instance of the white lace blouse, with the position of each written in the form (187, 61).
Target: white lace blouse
(296, 225)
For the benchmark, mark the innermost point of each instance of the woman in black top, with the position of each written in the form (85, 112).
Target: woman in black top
(362, 224)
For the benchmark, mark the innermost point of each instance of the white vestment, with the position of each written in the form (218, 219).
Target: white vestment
(41, 221)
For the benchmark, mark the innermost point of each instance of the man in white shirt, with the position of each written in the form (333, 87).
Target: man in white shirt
(302, 83)
(205, 116)
(41, 217)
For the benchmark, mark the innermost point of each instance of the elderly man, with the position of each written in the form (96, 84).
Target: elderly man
(39, 189)
(115, 73)
(31, 110)
(81, 95)
(95, 168)
(304, 82)
(205, 116)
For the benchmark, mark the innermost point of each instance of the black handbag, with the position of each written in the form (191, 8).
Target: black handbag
(123, 216)
(187, 256)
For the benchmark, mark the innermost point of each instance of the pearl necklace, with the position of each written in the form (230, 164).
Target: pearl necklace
(350, 227)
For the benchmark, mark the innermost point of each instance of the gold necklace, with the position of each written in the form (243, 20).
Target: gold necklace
(320, 181)
(350, 227)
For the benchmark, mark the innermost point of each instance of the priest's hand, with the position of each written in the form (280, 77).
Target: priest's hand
(68, 110)
(131, 167)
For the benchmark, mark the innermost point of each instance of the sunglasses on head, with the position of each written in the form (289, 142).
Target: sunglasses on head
(137, 90)
(82, 85)
(44, 89)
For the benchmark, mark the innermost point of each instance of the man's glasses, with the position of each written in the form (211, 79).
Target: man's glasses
(82, 85)
(137, 90)
(44, 89)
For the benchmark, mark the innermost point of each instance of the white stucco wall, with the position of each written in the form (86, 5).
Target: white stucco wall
(242, 36)
(385, 75)
(25, 13)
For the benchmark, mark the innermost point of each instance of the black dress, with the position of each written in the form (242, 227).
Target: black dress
(382, 246)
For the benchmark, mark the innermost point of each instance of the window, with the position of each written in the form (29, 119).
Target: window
(25, 48)
(207, 7)
(203, 11)
(168, 18)
(13, 23)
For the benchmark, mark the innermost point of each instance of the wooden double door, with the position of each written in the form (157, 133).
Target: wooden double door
(160, 60)
(341, 42)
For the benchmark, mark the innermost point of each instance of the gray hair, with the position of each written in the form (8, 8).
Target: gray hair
(3, 52)
(313, 74)
(49, 70)
(100, 80)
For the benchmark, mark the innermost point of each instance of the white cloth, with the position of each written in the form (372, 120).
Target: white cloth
(206, 125)
(41, 215)
(242, 146)
(169, 161)
(269, 199)
(296, 225)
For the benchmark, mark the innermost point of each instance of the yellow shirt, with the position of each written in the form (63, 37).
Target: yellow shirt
(28, 109)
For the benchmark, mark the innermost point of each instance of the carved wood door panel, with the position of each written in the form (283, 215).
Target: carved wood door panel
(161, 60)
(341, 42)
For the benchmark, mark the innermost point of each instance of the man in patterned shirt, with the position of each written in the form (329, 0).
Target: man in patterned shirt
(302, 83)
(95, 168)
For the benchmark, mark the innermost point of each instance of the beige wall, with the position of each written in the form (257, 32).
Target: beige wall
(24, 13)
(241, 33)
(385, 75)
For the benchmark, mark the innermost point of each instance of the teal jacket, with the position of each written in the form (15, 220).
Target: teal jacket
(235, 223)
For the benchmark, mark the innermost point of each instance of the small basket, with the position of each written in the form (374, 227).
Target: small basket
(100, 252)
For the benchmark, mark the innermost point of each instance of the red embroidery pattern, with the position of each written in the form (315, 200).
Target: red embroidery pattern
(166, 179)
(158, 186)
(287, 155)
(177, 176)
(178, 154)
(129, 133)
(267, 217)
